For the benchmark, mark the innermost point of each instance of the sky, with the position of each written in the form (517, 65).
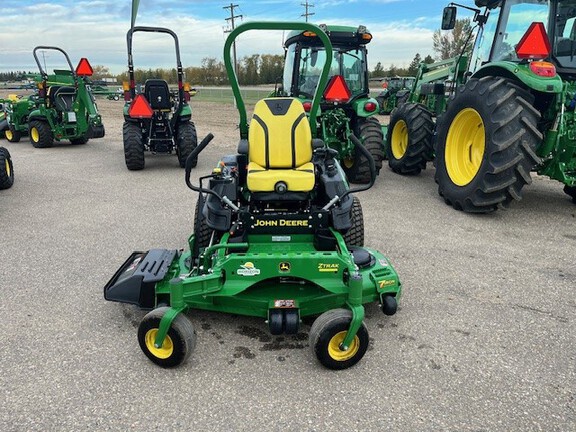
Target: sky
(96, 29)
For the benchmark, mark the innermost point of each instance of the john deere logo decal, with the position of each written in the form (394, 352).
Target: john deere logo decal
(248, 269)
(284, 267)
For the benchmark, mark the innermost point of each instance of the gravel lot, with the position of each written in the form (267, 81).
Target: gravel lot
(484, 339)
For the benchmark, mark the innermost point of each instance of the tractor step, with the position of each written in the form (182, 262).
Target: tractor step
(135, 280)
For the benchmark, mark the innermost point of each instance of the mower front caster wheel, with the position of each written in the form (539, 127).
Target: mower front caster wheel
(327, 334)
(178, 343)
(389, 305)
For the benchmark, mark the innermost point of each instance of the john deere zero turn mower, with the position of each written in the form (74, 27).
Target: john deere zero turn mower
(270, 239)
(155, 121)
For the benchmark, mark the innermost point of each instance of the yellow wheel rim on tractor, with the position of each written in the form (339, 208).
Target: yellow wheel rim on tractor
(7, 167)
(336, 353)
(399, 139)
(164, 351)
(465, 146)
(8, 134)
(34, 135)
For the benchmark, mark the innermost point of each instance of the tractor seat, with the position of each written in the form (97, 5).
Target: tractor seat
(158, 94)
(61, 97)
(280, 149)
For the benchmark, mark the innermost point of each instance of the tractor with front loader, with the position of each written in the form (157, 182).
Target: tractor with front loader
(156, 120)
(515, 113)
(346, 106)
(272, 237)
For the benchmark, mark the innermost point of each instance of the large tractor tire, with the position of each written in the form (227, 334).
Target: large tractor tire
(355, 235)
(410, 139)
(12, 134)
(186, 141)
(133, 146)
(486, 145)
(6, 169)
(369, 131)
(40, 134)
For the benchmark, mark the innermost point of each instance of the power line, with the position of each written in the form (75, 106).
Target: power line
(307, 6)
(232, 27)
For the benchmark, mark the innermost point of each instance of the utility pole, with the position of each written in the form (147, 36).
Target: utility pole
(231, 20)
(306, 6)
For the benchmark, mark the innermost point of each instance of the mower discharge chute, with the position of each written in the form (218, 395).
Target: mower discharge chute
(156, 120)
(277, 235)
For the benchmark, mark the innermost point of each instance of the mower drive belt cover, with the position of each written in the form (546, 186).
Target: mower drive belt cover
(135, 280)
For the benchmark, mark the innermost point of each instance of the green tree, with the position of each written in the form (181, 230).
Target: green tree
(450, 43)
(415, 65)
(378, 71)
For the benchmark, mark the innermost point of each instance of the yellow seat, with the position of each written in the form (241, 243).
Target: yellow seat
(280, 147)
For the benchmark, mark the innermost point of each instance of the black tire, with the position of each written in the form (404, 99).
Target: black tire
(79, 141)
(369, 131)
(133, 146)
(409, 139)
(355, 235)
(40, 134)
(116, 97)
(328, 330)
(203, 231)
(571, 191)
(276, 322)
(178, 344)
(12, 134)
(486, 145)
(186, 141)
(389, 305)
(6, 169)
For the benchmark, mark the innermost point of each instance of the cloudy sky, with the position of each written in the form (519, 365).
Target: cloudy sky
(96, 29)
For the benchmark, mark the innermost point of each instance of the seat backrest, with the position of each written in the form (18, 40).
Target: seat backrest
(158, 94)
(61, 97)
(279, 136)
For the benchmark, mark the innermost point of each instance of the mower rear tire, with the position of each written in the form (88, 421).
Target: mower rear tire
(355, 235)
(369, 132)
(486, 145)
(409, 140)
(133, 146)
(327, 334)
(178, 343)
(186, 141)
(6, 169)
(40, 134)
(12, 134)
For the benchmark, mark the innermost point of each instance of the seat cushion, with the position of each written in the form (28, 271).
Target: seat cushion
(300, 179)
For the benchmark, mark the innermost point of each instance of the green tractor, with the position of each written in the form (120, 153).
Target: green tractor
(346, 105)
(156, 120)
(64, 108)
(396, 91)
(14, 113)
(276, 236)
(516, 111)
(6, 169)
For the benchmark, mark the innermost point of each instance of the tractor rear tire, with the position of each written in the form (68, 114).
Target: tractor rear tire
(202, 232)
(355, 235)
(186, 141)
(6, 169)
(409, 140)
(12, 134)
(40, 134)
(369, 131)
(486, 145)
(133, 146)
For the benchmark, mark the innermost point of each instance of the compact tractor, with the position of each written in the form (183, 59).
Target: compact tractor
(156, 120)
(63, 109)
(515, 113)
(395, 92)
(346, 106)
(272, 238)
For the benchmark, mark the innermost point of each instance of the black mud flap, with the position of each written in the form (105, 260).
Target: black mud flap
(135, 280)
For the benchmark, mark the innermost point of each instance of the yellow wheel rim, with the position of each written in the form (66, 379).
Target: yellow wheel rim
(465, 145)
(164, 351)
(348, 162)
(34, 134)
(334, 347)
(8, 134)
(7, 167)
(399, 139)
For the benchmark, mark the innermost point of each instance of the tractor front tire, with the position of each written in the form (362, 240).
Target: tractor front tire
(486, 145)
(355, 235)
(12, 134)
(40, 134)
(178, 343)
(133, 146)
(328, 332)
(409, 140)
(186, 141)
(369, 132)
(6, 169)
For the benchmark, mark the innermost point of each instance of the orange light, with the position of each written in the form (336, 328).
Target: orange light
(543, 69)
(84, 68)
(534, 44)
(309, 34)
(140, 108)
(186, 87)
(125, 86)
(337, 90)
(367, 36)
(307, 106)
